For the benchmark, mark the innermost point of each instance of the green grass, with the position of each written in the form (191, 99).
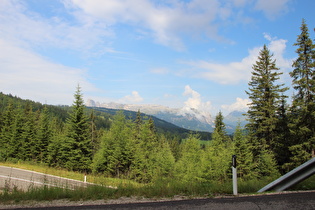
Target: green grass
(166, 188)
(97, 179)
(308, 184)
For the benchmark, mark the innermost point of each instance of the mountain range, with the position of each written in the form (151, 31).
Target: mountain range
(187, 118)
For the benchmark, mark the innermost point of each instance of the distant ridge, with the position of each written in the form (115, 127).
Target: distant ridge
(161, 125)
(187, 118)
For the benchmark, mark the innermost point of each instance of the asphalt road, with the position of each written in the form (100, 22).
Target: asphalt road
(23, 179)
(302, 200)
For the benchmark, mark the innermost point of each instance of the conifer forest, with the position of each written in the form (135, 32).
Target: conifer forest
(279, 134)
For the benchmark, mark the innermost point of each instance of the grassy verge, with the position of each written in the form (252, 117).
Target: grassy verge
(97, 179)
(308, 184)
(166, 188)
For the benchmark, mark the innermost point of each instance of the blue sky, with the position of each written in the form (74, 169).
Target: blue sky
(174, 53)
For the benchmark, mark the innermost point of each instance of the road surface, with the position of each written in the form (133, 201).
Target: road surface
(23, 179)
(301, 200)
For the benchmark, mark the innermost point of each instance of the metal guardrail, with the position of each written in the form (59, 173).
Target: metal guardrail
(291, 178)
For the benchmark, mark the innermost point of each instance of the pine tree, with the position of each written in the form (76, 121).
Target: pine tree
(116, 152)
(164, 159)
(44, 135)
(218, 153)
(95, 140)
(244, 155)
(189, 167)
(6, 131)
(265, 95)
(303, 105)
(28, 136)
(15, 148)
(282, 139)
(77, 150)
(219, 135)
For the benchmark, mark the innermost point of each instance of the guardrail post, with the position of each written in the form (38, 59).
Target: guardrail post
(234, 172)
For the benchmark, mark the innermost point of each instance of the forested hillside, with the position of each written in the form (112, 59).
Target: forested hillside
(277, 137)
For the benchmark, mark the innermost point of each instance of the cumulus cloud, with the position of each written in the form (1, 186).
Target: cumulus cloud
(236, 72)
(133, 98)
(195, 105)
(239, 105)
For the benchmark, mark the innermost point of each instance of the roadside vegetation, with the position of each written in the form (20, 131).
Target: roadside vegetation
(142, 161)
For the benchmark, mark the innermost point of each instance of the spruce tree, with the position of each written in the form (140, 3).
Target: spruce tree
(164, 159)
(244, 155)
(6, 131)
(44, 135)
(115, 155)
(283, 137)
(265, 95)
(28, 136)
(218, 153)
(77, 150)
(16, 144)
(303, 105)
(219, 135)
(189, 167)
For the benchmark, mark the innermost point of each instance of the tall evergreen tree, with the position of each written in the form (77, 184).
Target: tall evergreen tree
(303, 105)
(115, 155)
(44, 135)
(266, 96)
(6, 131)
(145, 150)
(77, 150)
(16, 144)
(218, 153)
(28, 136)
(282, 141)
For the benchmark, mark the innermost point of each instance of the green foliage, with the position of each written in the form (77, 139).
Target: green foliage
(266, 96)
(44, 135)
(116, 151)
(302, 124)
(77, 149)
(217, 160)
(244, 155)
(188, 168)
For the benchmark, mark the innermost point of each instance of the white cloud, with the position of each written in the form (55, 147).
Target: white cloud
(235, 72)
(31, 76)
(272, 8)
(239, 105)
(133, 98)
(195, 105)
(164, 21)
(28, 29)
(231, 73)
